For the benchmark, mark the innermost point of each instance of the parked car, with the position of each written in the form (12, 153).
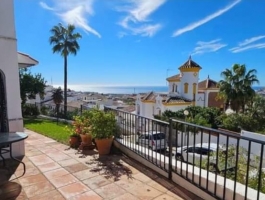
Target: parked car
(153, 140)
(200, 153)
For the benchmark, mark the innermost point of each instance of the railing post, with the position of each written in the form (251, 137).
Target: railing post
(170, 149)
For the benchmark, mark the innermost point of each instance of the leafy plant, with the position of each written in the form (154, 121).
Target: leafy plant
(30, 110)
(81, 125)
(103, 124)
(74, 135)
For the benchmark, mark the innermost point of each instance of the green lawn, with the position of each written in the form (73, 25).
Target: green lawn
(48, 128)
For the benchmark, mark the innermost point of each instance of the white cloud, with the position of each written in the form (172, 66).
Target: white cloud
(206, 47)
(247, 44)
(196, 24)
(251, 40)
(45, 6)
(74, 12)
(136, 21)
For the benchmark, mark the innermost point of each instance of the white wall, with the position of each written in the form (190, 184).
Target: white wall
(9, 66)
(200, 99)
(170, 87)
(188, 77)
(147, 110)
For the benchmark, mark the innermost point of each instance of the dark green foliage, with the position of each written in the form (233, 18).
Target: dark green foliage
(30, 110)
(236, 122)
(236, 86)
(198, 115)
(30, 85)
(44, 110)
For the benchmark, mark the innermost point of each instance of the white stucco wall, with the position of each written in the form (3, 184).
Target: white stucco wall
(9, 66)
(200, 99)
(170, 87)
(188, 77)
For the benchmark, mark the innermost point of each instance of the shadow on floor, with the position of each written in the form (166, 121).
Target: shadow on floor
(10, 188)
(110, 166)
(170, 185)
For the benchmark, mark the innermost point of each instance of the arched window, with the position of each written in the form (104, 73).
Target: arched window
(186, 88)
(194, 88)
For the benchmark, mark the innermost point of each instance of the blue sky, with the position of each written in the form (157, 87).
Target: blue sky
(140, 42)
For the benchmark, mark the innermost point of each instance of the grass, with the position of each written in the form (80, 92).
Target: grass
(48, 128)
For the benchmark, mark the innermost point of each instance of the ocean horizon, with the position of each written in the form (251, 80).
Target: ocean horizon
(126, 89)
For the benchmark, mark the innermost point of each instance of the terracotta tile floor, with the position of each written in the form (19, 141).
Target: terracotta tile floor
(55, 172)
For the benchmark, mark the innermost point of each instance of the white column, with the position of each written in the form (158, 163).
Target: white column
(9, 66)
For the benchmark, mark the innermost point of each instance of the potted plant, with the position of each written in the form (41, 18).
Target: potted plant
(81, 126)
(103, 128)
(74, 140)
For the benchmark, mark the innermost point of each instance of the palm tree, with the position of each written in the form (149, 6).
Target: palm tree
(64, 41)
(57, 97)
(236, 87)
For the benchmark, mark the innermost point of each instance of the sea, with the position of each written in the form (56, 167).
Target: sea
(127, 89)
(134, 89)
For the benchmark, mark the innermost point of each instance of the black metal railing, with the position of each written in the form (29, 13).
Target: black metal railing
(225, 165)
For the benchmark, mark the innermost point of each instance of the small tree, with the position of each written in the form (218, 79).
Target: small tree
(30, 85)
(57, 97)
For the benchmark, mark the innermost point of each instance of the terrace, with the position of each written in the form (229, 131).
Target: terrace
(53, 171)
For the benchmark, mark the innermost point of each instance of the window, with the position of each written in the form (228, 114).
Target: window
(194, 88)
(186, 88)
(176, 88)
(173, 87)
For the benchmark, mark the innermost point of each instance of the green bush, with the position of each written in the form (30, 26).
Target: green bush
(44, 110)
(236, 122)
(30, 110)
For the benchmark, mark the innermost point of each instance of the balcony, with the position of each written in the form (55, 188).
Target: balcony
(53, 171)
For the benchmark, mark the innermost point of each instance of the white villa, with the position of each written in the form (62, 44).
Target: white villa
(184, 89)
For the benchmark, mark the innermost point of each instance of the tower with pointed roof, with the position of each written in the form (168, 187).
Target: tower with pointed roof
(189, 73)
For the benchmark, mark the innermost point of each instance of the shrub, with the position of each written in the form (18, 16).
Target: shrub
(30, 110)
(44, 110)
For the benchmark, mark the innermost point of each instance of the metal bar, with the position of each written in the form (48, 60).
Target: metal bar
(193, 158)
(249, 151)
(187, 157)
(170, 150)
(208, 158)
(200, 173)
(260, 170)
(226, 157)
(181, 149)
(217, 156)
(236, 169)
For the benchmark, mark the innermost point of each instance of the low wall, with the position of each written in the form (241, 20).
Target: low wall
(202, 178)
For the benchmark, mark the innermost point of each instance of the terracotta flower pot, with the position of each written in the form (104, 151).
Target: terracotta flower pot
(104, 145)
(74, 142)
(86, 139)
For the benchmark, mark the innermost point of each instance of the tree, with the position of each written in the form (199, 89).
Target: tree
(31, 85)
(236, 86)
(64, 41)
(57, 96)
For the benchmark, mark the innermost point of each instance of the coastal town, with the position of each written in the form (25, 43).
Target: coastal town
(197, 133)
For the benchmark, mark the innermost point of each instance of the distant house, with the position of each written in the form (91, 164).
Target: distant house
(184, 89)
